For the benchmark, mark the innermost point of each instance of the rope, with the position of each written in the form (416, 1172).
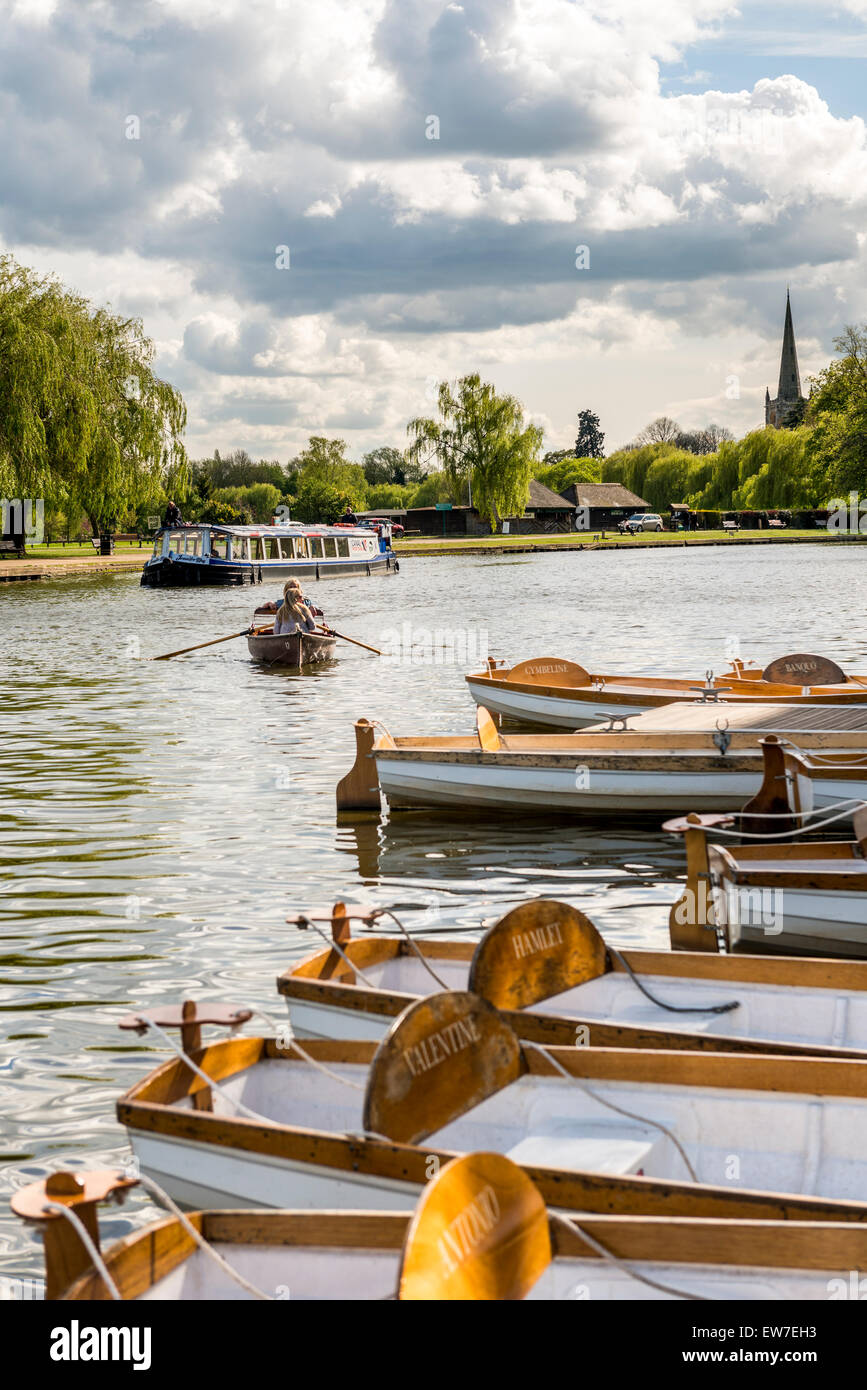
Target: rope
(156, 1191)
(329, 941)
(672, 1008)
(85, 1237)
(386, 911)
(785, 834)
(793, 815)
(622, 1264)
(296, 1046)
(629, 1114)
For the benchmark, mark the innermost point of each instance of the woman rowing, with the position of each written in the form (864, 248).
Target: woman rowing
(295, 614)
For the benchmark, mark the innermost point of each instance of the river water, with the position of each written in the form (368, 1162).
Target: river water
(160, 819)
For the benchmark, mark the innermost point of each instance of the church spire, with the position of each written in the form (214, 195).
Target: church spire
(789, 388)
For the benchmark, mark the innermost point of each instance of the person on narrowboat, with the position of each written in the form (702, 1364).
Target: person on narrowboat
(349, 518)
(173, 516)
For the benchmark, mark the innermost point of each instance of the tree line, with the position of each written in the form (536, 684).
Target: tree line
(86, 424)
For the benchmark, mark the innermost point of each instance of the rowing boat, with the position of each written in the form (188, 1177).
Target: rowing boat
(547, 968)
(802, 896)
(481, 1231)
(665, 761)
(799, 781)
(561, 694)
(252, 1121)
(295, 649)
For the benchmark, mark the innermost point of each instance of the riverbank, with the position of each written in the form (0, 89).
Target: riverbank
(60, 565)
(51, 567)
(498, 545)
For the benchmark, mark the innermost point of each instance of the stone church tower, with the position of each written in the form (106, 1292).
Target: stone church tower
(788, 409)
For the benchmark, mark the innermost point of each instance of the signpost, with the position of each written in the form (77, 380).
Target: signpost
(444, 507)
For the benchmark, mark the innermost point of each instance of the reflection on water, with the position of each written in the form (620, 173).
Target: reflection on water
(161, 819)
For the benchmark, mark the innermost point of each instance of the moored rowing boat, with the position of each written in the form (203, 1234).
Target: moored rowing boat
(665, 761)
(563, 695)
(545, 964)
(481, 1231)
(259, 1122)
(803, 896)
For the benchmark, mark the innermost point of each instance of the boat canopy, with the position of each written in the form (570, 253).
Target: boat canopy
(295, 527)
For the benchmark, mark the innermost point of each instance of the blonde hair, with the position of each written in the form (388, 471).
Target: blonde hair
(293, 604)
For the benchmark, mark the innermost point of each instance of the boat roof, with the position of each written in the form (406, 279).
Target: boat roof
(290, 527)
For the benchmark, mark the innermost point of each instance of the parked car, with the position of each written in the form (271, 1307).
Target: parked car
(641, 521)
(397, 528)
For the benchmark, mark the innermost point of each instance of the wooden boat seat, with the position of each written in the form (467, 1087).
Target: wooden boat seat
(602, 1152)
(490, 740)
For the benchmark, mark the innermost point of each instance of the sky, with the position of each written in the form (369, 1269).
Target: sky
(321, 208)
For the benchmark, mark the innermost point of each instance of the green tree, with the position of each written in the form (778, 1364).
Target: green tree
(389, 495)
(84, 419)
(384, 465)
(837, 411)
(435, 488)
(559, 476)
(480, 438)
(324, 461)
(591, 441)
(320, 501)
(774, 470)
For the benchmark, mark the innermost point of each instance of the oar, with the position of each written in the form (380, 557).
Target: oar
(247, 632)
(354, 640)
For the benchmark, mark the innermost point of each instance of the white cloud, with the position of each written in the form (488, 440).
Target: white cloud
(303, 122)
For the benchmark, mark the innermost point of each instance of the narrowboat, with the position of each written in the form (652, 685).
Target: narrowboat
(204, 554)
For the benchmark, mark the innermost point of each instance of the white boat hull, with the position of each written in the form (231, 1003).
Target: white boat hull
(551, 710)
(429, 783)
(201, 1175)
(796, 917)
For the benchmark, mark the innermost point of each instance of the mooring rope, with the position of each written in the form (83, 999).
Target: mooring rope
(621, 1264)
(629, 1114)
(85, 1237)
(672, 1008)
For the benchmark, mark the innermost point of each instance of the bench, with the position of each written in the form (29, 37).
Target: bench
(775, 521)
(731, 525)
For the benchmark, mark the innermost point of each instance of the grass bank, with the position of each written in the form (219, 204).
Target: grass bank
(481, 545)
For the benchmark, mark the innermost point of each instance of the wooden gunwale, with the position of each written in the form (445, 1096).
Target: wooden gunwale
(655, 691)
(735, 864)
(624, 742)
(303, 983)
(815, 973)
(139, 1261)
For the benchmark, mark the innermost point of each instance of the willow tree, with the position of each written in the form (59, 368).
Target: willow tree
(83, 417)
(480, 438)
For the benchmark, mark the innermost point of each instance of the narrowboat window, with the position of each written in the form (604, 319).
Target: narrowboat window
(192, 540)
(299, 547)
(257, 547)
(240, 548)
(315, 544)
(158, 547)
(272, 548)
(176, 542)
(329, 545)
(342, 548)
(219, 547)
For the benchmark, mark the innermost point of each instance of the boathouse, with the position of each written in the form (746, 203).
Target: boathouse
(607, 503)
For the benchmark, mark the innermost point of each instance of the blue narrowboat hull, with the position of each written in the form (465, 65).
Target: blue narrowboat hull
(181, 572)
